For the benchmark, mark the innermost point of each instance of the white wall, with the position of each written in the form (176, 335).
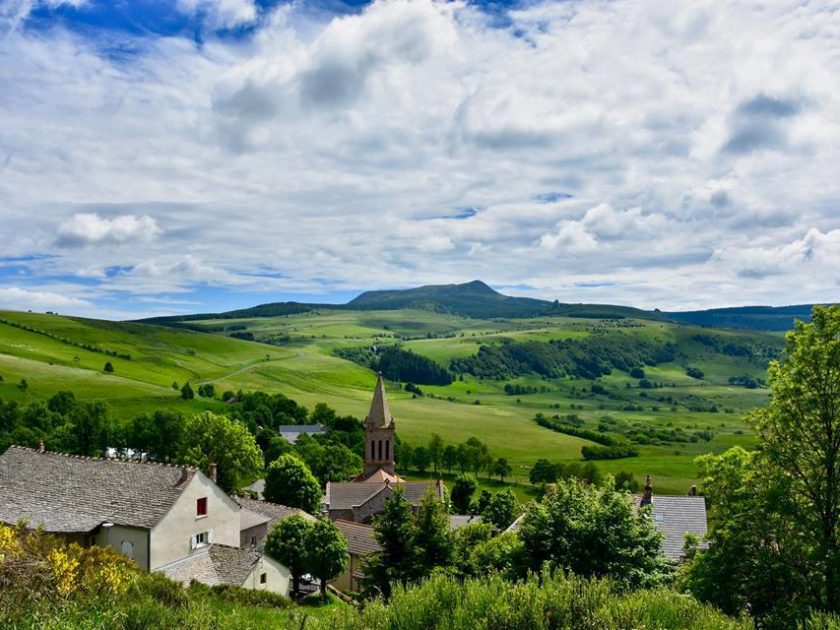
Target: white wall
(278, 578)
(170, 539)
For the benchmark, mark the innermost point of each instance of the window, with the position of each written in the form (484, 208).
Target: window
(201, 506)
(373, 449)
(253, 541)
(127, 549)
(263, 578)
(387, 449)
(379, 450)
(201, 539)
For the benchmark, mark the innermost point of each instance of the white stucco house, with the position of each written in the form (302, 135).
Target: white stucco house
(167, 518)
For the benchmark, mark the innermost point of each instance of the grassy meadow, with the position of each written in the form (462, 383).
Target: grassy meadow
(293, 355)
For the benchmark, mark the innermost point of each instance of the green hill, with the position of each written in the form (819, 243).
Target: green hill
(669, 415)
(770, 318)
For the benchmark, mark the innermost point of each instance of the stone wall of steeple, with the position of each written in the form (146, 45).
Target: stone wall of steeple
(380, 433)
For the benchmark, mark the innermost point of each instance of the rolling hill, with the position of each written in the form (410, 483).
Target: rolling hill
(671, 417)
(478, 300)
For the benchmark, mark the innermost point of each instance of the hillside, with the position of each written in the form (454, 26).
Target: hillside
(477, 300)
(769, 318)
(669, 415)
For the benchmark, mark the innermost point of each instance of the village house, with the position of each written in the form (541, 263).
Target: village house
(173, 519)
(361, 542)
(359, 500)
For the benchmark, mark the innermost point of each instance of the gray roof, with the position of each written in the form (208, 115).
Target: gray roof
(379, 415)
(346, 495)
(457, 521)
(291, 432)
(68, 493)
(214, 564)
(255, 512)
(361, 539)
(675, 516)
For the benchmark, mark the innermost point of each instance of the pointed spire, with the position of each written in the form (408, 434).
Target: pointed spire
(379, 414)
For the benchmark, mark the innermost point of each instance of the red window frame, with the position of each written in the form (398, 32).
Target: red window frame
(201, 506)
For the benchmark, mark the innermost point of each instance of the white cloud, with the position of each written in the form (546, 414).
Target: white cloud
(685, 161)
(89, 229)
(16, 298)
(221, 13)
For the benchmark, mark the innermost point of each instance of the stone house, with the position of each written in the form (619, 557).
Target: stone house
(156, 514)
(361, 542)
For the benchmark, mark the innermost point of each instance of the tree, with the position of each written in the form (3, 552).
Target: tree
(594, 532)
(432, 540)
(90, 423)
(287, 543)
(328, 461)
(289, 481)
(23, 385)
(213, 439)
(159, 435)
(109, 368)
(326, 553)
(800, 434)
(394, 530)
(502, 469)
(436, 448)
(449, 457)
(187, 392)
(461, 494)
(62, 403)
(405, 456)
(542, 472)
(421, 459)
(502, 509)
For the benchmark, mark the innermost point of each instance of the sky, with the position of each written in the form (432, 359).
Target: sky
(163, 157)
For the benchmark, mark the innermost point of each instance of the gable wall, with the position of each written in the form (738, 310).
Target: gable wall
(278, 578)
(139, 539)
(170, 539)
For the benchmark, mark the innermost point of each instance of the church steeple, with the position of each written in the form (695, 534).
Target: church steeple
(380, 434)
(379, 415)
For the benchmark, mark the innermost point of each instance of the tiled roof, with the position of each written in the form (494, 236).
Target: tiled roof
(379, 475)
(674, 516)
(344, 496)
(214, 564)
(361, 539)
(256, 512)
(68, 493)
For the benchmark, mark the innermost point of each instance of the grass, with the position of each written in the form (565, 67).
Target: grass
(297, 360)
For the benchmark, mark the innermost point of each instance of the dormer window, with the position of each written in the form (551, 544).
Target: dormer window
(201, 507)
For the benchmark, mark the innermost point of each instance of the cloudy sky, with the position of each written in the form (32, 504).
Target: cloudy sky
(167, 156)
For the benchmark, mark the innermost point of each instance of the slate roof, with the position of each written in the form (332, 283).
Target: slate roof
(255, 512)
(213, 564)
(292, 432)
(68, 493)
(379, 415)
(361, 539)
(674, 516)
(346, 495)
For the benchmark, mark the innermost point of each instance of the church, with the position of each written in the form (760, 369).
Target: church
(363, 497)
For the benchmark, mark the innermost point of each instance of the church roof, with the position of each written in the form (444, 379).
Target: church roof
(379, 475)
(379, 415)
(347, 495)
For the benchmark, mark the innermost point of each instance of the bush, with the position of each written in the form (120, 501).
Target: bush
(694, 372)
(608, 452)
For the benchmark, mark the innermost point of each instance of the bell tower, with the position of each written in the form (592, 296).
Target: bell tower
(380, 433)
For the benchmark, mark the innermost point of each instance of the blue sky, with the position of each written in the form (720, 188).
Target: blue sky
(200, 155)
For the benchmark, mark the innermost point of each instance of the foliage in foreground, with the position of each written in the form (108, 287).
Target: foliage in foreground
(546, 603)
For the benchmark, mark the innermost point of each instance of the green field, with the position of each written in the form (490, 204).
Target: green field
(293, 355)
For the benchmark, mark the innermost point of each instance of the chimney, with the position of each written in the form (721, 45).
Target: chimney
(214, 471)
(647, 498)
(184, 474)
(693, 491)
(41, 446)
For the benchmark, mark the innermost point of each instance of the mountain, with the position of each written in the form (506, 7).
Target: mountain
(768, 318)
(471, 299)
(476, 299)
